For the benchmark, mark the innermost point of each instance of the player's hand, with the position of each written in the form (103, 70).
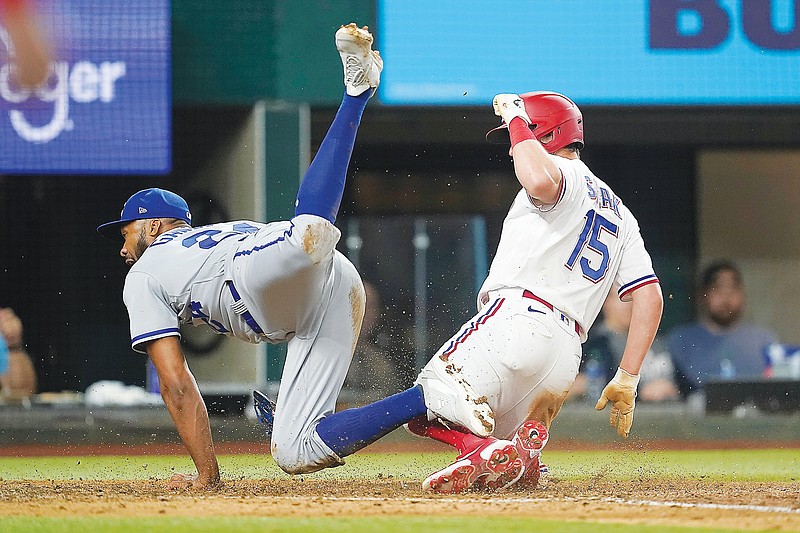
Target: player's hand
(621, 392)
(510, 106)
(192, 481)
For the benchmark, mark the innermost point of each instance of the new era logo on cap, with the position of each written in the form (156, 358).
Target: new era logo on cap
(148, 203)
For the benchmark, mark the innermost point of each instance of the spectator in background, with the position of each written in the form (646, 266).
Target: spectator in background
(373, 373)
(17, 375)
(603, 351)
(720, 345)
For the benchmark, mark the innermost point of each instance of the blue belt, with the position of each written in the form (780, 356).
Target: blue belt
(245, 314)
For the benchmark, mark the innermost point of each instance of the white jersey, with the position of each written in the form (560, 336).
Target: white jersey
(181, 278)
(571, 254)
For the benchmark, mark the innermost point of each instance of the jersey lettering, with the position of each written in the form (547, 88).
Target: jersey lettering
(205, 239)
(609, 200)
(590, 188)
(244, 227)
(593, 228)
(170, 236)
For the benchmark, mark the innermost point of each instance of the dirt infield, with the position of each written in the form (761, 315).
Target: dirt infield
(756, 506)
(645, 500)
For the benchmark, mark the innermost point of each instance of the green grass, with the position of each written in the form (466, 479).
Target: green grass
(428, 524)
(722, 465)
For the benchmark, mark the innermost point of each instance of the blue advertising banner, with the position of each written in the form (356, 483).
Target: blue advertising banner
(609, 52)
(106, 106)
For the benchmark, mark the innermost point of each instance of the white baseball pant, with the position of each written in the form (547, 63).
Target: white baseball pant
(520, 353)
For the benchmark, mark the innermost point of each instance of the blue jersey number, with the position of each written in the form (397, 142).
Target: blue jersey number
(590, 235)
(205, 239)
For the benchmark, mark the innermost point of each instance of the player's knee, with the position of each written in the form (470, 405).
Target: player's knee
(292, 466)
(317, 236)
(298, 458)
(289, 459)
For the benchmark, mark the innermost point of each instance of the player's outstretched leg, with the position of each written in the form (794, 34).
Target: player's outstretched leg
(483, 463)
(494, 465)
(322, 187)
(346, 432)
(434, 429)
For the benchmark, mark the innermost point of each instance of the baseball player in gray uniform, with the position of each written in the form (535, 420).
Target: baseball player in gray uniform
(277, 282)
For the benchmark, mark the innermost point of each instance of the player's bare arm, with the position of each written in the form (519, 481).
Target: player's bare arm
(185, 404)
(535, 169)
(648, 305)
(621, 390)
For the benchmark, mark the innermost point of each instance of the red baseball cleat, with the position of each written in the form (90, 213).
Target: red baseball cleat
(494, 465)
(529, 440)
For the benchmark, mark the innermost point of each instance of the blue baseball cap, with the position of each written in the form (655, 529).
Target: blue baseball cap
(149, 203)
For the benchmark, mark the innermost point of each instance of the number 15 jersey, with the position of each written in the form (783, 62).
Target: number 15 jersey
(572, 253)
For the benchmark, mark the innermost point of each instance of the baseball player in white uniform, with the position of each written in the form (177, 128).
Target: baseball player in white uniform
(566, 240)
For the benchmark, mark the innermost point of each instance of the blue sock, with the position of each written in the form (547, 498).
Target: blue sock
(348, 431)
(322, 187)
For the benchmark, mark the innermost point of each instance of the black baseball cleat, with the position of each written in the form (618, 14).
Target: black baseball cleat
(265, 411)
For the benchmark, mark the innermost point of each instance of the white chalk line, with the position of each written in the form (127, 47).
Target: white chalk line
(492, 501)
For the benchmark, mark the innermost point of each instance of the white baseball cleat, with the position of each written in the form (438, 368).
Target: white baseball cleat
(448, 396)
(492, 466)
(362, 65)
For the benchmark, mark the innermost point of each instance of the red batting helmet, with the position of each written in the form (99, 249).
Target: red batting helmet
(549, 112)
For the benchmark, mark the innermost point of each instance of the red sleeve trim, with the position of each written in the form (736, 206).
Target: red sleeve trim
(638, 286)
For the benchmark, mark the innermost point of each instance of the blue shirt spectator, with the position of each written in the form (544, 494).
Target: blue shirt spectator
(3, 355)
(17, 373)
(720, 345)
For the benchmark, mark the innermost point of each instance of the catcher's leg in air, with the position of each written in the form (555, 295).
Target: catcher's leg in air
(322, 187)
(320, 193)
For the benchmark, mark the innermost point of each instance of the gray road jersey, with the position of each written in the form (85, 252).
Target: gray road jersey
(180, 279)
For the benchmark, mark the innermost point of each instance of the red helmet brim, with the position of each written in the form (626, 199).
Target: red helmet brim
(499, 135)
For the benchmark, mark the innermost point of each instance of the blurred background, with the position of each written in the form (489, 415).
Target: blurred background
(691, 109)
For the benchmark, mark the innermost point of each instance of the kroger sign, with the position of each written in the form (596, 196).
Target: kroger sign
(105, 107)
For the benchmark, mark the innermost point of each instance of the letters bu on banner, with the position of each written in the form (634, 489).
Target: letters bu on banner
(609, 52)
(106, 107)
